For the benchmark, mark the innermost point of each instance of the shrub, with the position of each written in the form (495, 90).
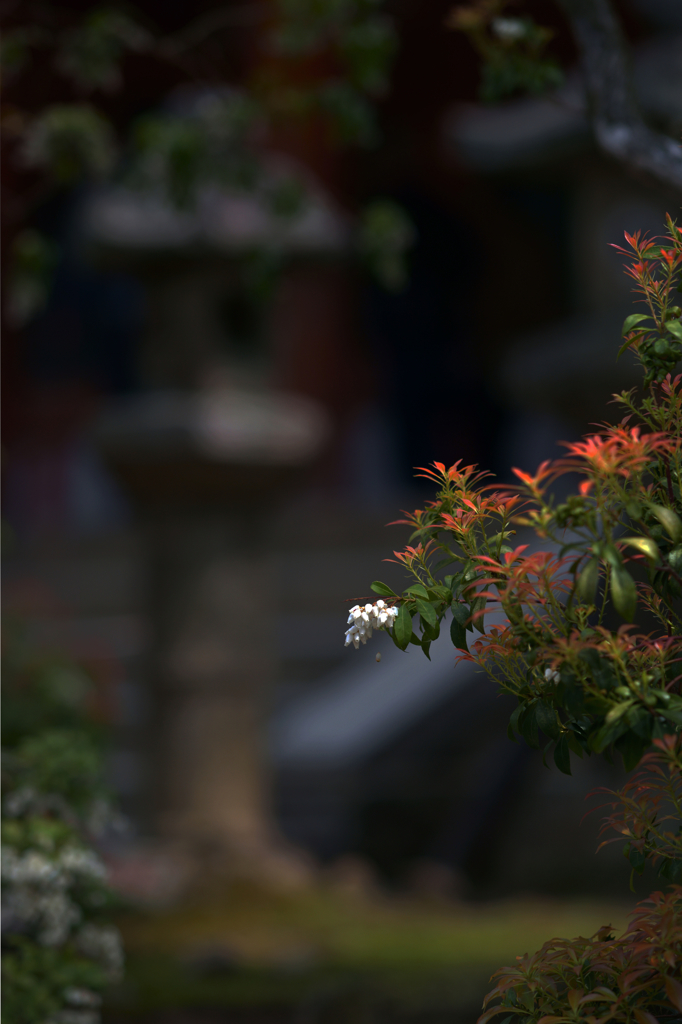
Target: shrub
(587, 635)
(59, 951)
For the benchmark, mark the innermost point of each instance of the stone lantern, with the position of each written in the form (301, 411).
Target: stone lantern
(205, 453)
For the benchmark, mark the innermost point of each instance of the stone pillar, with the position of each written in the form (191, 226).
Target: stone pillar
(204, 491)
(211, 665)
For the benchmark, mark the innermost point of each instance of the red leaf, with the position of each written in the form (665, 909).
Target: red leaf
(644, 1017)
(674, 992)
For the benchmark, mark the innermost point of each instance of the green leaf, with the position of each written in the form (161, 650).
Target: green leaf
(672, 711)
(626, 344)
(617, 711)
(547, 720)
(646, 545)
(458, 633)
(588, 581)
(612, 555)
(669, 520)
(428, 613)
(609, 732)
(574, 744)
(672, 870)
(430, 632)
(631, 748)
(631, 322)
(640, 719)
(426, 646)
(417, 590)
(381, 588)
(477, 606)
(624, 593)
(562, 757)
(461, 612)
(674, 327)
(636, 857)
(528, 726)
(402, 628)
(514, 722)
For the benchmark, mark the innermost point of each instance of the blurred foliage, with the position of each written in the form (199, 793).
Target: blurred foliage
(362, 42)
(352, 117)
(59, 951)
(15, 48)
(33, 260)
(207, 136)
(208, 142)
(512, 50)
(58, 762)
(43, 984)
(386, 237)
(90, 53)
(69, 142)
(359, 34)
(633, 978)
(646, 813)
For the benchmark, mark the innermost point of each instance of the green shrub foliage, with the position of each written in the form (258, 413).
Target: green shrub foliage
(582, 623)
(59, 951)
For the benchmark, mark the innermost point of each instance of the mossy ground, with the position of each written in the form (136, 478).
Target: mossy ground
(248, 948)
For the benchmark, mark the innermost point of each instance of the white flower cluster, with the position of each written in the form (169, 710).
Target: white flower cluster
(27, 800)
(51, 913)
(36, 890)
(82, 997)
(509, 29)
(82, 1007)
(551, 676)
(34, 868)
(102, 943)
(75, 1017)
(366, 618)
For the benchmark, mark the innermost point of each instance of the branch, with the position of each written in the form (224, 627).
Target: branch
(616, 120)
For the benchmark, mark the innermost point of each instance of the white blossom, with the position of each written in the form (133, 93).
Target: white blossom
(82, 997)
(58, 915)
(102, 943)
(75, 1017)
(364, 619)
(52, 914)
(509, 29)
(31, 868)
(552, 676)
(36, 890)
(19, 801)
(85, 863)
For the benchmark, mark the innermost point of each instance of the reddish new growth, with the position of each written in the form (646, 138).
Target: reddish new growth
(582, 623)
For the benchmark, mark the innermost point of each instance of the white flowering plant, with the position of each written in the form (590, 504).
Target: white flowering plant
(59, 949)
(364, 619)
(582, 624)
